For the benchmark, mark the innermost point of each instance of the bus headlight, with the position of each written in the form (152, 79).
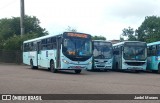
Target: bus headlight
(65, 61)
(90, 62)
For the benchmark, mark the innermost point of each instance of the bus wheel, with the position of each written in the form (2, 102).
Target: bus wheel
(52, 69)
(117, 68)
(31, 64)
(77, 71)
(137, 71)
(159, 68)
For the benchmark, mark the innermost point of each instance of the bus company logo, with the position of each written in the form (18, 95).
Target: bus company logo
(6, 97)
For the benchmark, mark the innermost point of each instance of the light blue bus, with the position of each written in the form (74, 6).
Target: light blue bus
(153, 60)
(102, 55)
(130, 55)
(67, 51)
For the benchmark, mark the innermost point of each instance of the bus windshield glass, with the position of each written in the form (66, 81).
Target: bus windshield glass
(135, 51)
(77, 47)
(102, 50)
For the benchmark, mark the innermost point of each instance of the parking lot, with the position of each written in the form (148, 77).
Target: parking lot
(20, 79)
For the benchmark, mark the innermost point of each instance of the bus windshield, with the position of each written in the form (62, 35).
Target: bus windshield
(135, 52)
(77, 47)
(102, 50)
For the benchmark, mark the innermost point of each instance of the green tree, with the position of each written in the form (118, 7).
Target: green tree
(98, 38)
(129, 33)
(11, 26)
(10, 38)
(15, 42)
(71, 29)
(149, 31)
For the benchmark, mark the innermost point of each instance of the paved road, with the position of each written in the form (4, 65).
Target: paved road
(20, 79)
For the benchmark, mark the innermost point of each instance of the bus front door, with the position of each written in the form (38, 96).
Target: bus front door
(38, 54)
(58, 65)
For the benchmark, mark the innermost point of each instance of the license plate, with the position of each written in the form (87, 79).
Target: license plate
(77, 67)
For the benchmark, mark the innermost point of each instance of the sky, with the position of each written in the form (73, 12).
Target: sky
(96, 17)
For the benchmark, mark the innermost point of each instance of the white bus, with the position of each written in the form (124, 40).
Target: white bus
(67, 51)
(130, 55)
(102, 55)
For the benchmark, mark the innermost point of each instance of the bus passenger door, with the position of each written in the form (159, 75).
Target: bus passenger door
(58, 63)
(38, 54)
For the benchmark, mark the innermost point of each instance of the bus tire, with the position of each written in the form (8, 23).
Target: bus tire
(52, 68)
(117, 68)
(31, 64)
(78, 71)
(159, 68)
(136, 71)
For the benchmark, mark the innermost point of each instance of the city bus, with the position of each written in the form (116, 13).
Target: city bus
(102, 55)
(153, 60)
(130, 55)
(67, 51)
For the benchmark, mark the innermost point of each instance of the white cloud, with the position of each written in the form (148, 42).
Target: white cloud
(97, 17)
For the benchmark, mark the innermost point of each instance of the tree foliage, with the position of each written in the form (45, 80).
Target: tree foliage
(71, 29)
(129, 33)
(11, 26)
(10, 31)
(15, 42)
(149, 31)
(98, 38)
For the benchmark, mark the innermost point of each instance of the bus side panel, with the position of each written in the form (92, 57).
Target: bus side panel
(45, 57)
(43, 62)
(25, 58)
(154, 63)
(28, 56)
(52, 56)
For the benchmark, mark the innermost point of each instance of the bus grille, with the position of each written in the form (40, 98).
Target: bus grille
(100, 66)
(135, 63)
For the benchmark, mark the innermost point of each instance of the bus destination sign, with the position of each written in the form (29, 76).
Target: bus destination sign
(77, 35)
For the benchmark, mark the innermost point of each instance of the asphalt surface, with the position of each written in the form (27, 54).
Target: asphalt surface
(20, 79)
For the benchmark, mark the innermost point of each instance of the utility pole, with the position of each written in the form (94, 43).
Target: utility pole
(22, 16)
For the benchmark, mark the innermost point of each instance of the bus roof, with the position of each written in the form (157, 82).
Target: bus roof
(47, 36)
(153, 43)
(39, 38)
(121, 43)
(101, 41)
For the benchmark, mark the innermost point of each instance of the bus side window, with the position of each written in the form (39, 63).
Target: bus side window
(148, 51)
(158, 50)
(44, 44)
(24, 47)
(116, 51)
(27, 47)
(54, 45)
(34, 46)
(49, 44)
(153, 50)
(30, 46)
